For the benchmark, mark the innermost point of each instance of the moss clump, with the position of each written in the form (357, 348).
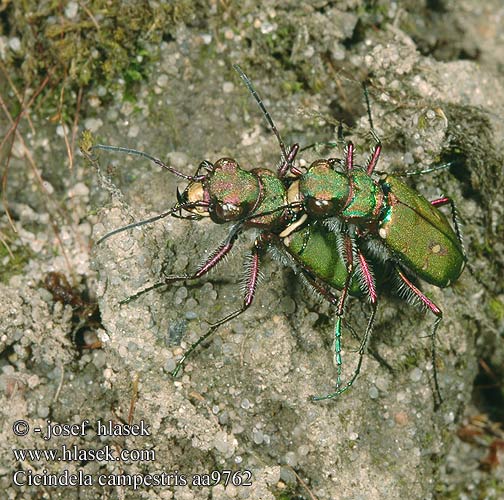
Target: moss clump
(496, 309)
(13, 259)
(104, 43)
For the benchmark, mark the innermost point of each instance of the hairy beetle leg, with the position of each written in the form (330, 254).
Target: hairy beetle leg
(215, 257)
(356, 372)
(369, 285)
(431, 306)
(252, 277)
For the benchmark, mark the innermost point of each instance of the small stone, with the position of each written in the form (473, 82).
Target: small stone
(449, 418)
(416, 375)
(71, 10)
(257, 436)
(401, 418)
(287, 475)
(228, 87)
(373, 392)
(303, 450)
(162, 80)
(93, 124)
(170, 365)
(43, 411)
(291, 459)
(133, 131)
(15, 44)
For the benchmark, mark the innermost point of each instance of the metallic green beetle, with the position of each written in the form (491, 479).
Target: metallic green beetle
(333, 223)
(396, 224)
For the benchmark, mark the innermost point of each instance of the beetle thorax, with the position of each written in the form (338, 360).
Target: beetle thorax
(233, 192)
(324, 191)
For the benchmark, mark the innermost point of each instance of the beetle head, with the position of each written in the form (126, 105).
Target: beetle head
(227, 193)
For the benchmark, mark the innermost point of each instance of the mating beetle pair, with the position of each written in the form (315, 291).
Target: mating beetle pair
(331, 223)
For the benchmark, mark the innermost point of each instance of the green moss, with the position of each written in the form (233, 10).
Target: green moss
(428, 439)
(496, 308)
(496, 485)
(280, 42)
(291, 494)
(12, 259)
(86, 141)
(104, 45)
(292, 86)
(482, 249)
(283, 496)
(476, 163)
(423, 121)
(410, 361)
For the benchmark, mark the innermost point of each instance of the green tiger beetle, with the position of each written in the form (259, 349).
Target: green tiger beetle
(332, 223)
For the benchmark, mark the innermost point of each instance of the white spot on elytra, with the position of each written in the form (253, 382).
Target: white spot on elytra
(382, 232)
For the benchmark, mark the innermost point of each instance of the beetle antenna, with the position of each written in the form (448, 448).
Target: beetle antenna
(157, 161)
(368, 105)
(255, 95)
(374, 135)
(172, 211)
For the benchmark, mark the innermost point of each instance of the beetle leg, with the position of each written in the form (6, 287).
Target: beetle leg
(445, 200)
(319, 287)
(288, 163)
(215, 257)
(251, 280)
(424, 171)
(367, 278)
(369, 286)
(369, 289)
(349, 156)
(332, 299)
(342, 389)
(375, 155)
(347, 250)
(431, 306)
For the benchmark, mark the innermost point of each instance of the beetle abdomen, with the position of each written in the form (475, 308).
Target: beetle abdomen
(316, 248)
(419, 235)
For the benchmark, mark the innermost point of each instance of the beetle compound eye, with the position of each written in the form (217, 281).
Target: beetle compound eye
(319, 208)
(228, 211)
